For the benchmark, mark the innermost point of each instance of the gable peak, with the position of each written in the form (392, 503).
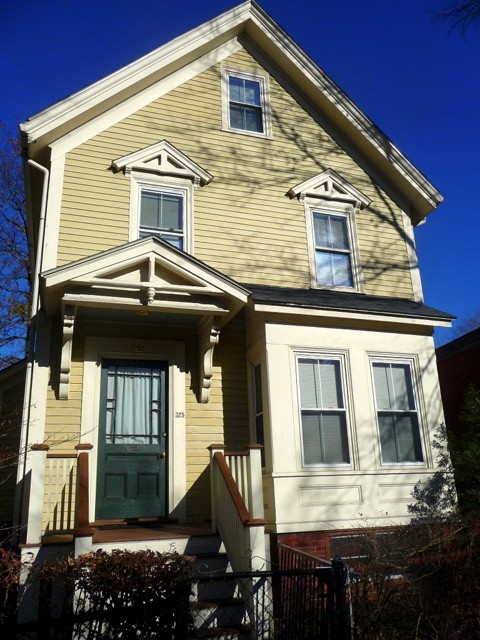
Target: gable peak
(164, 159)
(330, 185)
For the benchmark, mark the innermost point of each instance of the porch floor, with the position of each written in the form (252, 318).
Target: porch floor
(136, 532)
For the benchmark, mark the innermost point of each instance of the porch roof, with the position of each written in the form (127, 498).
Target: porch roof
(324, 299)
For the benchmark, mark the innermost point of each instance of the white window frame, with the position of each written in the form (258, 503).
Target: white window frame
(162, 184)
(412, 365)
(262, 80)
(341, 358)
(339, 209)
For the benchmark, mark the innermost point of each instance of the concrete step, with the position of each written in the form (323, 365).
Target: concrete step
(223, 612)
(240, 632)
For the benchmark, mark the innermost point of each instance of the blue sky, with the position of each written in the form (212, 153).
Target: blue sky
(417, 82)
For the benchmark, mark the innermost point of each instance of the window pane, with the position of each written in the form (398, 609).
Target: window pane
(402, 387)
(338, 236)
(342, 272)
(309, 384)
(324, 438)
(237, 117)
(331, 391)
(312, 444)
(408, 439)
(324, 267)
(252, 92)
(393, 386)
(257, 372)
(320, 226)
(335, 438)
(172, 217)
(149, 209)
(236, 89)
(176, 241)
(253, 120)
(387, 438)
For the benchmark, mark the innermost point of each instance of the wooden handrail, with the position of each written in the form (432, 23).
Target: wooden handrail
(304, 554)
(237, 499)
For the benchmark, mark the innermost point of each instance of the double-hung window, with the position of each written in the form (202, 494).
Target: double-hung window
(245, 103)
(333, 249)
(322, 411)
(397, 413)
(162, 213)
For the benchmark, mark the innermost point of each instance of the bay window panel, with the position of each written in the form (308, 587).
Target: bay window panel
(322, 412)
(398, 423)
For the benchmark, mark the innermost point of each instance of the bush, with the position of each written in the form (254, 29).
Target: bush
(125, 594)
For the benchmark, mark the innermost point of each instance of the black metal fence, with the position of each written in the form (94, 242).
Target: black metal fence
(293, 604)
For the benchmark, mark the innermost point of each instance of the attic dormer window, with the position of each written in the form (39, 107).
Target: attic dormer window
(162, 213)
(161, 197)
(331, 203)
(245, 103)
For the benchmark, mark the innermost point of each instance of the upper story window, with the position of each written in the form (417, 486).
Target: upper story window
(245, 103)
(333, 249)
(397, 413)
(322, 412)
(161, 196)
(162, 213)
(331, 203)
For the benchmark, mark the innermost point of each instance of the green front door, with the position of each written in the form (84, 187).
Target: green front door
(131, 473)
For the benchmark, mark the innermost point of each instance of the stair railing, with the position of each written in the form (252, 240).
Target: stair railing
(236, 481)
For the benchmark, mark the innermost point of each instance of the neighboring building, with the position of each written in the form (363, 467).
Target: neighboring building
(458, 365)
(226, 256)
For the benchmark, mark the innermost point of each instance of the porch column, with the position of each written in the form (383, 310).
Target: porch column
(255, 484)
(83, 533)
(35, 492)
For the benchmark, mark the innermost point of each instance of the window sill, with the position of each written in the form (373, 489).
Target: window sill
(242, 132)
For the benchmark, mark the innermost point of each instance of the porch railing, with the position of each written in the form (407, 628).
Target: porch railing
(60, 492)
(242, 530)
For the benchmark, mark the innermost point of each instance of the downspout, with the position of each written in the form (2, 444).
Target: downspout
(27, 403)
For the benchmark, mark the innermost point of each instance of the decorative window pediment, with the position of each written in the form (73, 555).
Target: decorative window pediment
(329, 185)
(163, 159)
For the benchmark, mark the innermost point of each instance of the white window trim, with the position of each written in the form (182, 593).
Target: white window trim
(413, 364)
(167, 184)
(333, 208)
(262, 79)
(347, 400)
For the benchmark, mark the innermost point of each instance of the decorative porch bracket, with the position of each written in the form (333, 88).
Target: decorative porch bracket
(69, 313)
(209, 334)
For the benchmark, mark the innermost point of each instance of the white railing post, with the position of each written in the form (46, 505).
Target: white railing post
(34, 504)
(255, 482)
(214, 448)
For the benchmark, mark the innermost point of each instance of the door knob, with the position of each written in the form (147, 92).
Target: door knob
(163, 455)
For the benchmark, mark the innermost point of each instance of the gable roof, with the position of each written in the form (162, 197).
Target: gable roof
(249, 21)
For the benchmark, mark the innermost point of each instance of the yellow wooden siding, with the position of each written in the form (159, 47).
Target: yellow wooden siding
(224, 419)
(245, 226)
